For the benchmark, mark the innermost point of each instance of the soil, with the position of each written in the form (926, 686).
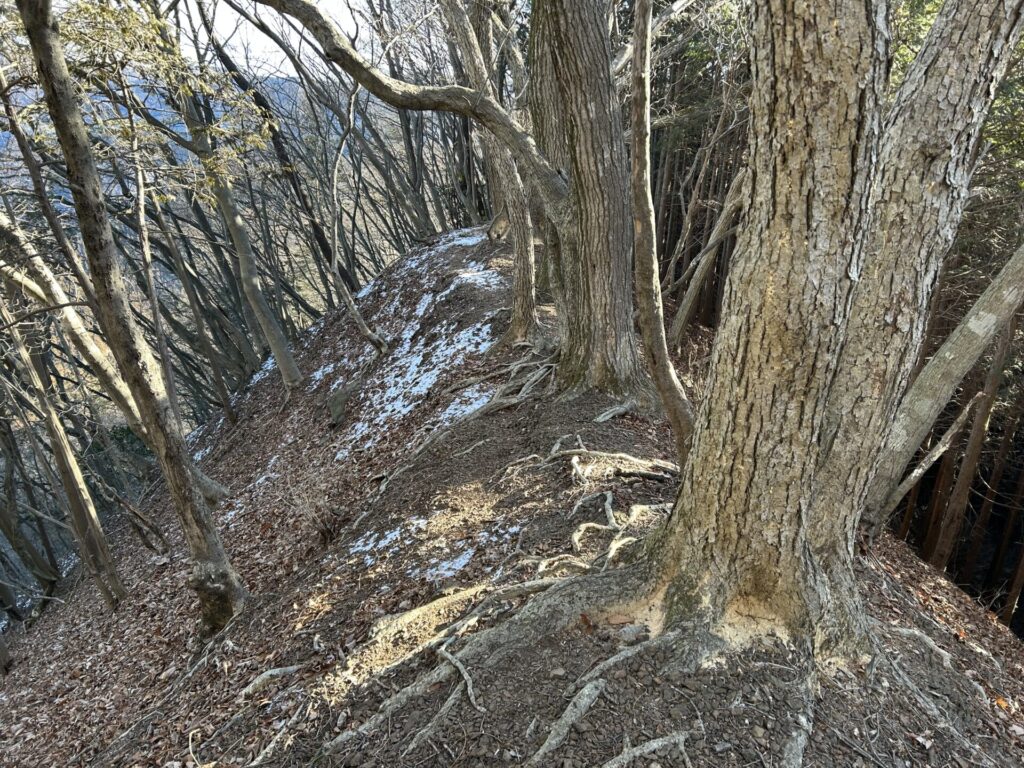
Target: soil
(364, 543)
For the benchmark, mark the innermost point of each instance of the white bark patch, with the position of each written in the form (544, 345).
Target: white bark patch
(984, 324)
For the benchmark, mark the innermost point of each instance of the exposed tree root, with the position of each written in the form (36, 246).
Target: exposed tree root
(617, 410)
(655, 643)
(629, 754)
(465, 677)
(432, 727)
(555, 610)
(576, 711)
(262, 759)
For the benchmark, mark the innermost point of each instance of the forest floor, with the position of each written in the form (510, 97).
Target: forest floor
(363, 543)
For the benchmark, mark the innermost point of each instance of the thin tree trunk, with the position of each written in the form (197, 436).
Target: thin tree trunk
(85, 523)
(952, 521)
(41, 570)
(220, 591)
(980, 528)
(998, 564)
(648, 288)
(147, 271)
(507, 190)
(1016, 585)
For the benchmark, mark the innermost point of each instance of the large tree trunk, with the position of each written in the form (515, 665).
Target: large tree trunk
(753, 535)
(927, 153)
(600, 350)
(220, 591)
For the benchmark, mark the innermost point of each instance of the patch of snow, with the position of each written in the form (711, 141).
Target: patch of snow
(445, 569)
(470, 400)
(268, 366)
(367, 289)
(487, 279)
(411, 372)
(267, 475)
(462, 238)
(372, 542)
(316, 327)
(319, 374)
(424, 304)
(230, 513)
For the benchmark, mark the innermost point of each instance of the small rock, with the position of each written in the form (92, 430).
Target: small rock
(557, 673)
(723, 746)
(758, 732)
(405, 605)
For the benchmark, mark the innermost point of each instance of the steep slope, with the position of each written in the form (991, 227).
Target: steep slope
(430, 501)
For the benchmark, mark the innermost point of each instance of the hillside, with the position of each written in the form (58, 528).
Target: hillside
(448, 490)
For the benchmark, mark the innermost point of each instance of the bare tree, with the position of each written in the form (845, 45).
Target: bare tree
(220, 591)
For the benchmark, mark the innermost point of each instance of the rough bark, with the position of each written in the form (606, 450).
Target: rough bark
(752, 536)
(648, 287)
(925, 157)
(600, 349)
(219, 589)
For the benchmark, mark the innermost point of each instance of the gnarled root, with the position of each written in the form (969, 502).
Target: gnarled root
(560, 606)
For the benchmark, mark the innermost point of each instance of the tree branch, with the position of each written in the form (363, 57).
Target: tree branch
(445, 98)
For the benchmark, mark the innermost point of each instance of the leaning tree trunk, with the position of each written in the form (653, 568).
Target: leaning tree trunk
(952, 520)
(248, 273)
(220, 591)
(38, 281)
(752, 533)
(85, 523)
